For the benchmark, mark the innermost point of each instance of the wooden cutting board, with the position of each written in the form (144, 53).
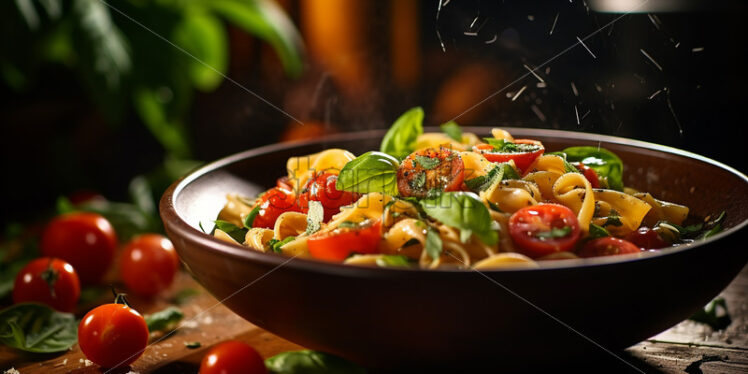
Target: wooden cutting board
(687, 347)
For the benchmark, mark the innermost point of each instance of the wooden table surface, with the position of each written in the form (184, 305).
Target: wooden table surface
(689, 347)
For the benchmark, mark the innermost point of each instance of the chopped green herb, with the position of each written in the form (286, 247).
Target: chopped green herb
(497, 174)
(503, 146)
(392, 261)
(411, 241)
(192, 345)
(200, 223)
(614, 219)
(597, 231)
(419, 181)
(310, 362)
(555, 232)
(275, 244)
(427, 162)
(433, 243)
(314, 217)
(235, 232)
(715, 227)
(164, 320)
(715, 314)
(453, 130)
(348, 225)
(494, 207)
(250, 218)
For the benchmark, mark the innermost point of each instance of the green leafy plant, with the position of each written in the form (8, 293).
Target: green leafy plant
(37, 328)
(310, 362)
(143, 55)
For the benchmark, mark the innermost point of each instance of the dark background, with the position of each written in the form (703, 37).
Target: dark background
(381, 58)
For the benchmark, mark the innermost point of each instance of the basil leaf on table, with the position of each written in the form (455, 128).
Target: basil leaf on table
(453, 130)
(605, 163)
(37, 328)
(464, 211)
(164, 320)
(235, 232)
(371, 172)
(401, 138)
(310, 362)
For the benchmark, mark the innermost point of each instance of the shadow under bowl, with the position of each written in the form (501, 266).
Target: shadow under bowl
(400, 318)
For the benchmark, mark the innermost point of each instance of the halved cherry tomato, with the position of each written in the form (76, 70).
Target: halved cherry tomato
(429, 169)
(232, 357)
(647, 238)
(113, 335)
(588, 173)
(322, 188)
(544, 229)
(148, 264)
(48, 281)
(607, 246)
(522, 151)
(273, 203)
(85, 240)
(340, 243)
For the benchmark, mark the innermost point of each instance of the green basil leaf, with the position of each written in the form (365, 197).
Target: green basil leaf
(164, 320)
(310, 362)
(276, 244)
(192, 345)
(715, 314)
(614, 219)
(453, 130)
(597, 232)
(714, 227)
(464, 211)
(553, 233)
(428, 163)
(503, 146)
(499, 172)
(314, 217)
(605, 163)
(184, 295)
(400, 140)
(433, 244)
(386, 261)
(37, 328)
(250, 218)
(235, 232)
(371, 172)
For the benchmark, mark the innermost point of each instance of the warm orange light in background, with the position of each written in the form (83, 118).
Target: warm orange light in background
(405, 43)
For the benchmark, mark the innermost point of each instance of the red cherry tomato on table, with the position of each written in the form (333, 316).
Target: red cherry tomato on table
(85, 240)
(607, 246)
(148, 264)
(522, 151)
(113, 335)
(588, 173)
(429, 169)
(340, 243)
(232, 357)
(647, 238)
(544, 229)
(322, 188)
(273, 203)
(48, 281)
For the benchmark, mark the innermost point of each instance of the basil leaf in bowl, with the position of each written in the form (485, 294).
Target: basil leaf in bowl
(371, 172)
(400, 140)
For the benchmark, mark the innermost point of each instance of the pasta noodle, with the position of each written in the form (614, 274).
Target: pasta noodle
(502, 204)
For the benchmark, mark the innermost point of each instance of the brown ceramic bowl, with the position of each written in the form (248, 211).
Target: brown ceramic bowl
(400, 318)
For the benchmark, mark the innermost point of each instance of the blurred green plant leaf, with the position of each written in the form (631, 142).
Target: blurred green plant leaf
(204, 37)
(266, 20)
(169, 132)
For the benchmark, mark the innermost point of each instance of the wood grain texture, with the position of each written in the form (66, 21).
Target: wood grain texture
(687, 347)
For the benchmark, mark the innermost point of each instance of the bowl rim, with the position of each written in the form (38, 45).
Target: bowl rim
(174, 221)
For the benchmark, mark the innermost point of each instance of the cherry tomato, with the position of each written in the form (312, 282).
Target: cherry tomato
(322, 188)
(647, 238)
(113, 335)
(429, 169)
(544, 229)
(85, 240)
(607, 246)
(148, 264)
(340, 243)
(522, 151)
(232, 357)
(589, 173)
(273, 203)
(48, 281)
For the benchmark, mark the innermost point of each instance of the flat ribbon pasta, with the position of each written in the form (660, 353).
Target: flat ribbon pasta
(407, 230)
(235, 210)
(301, 169)
(662, 210)
(552, 163)
(506, 261)
(575, 191)
(475, 164)
(544, 180)
(512, 195)
(436, 140)
(630, 210)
